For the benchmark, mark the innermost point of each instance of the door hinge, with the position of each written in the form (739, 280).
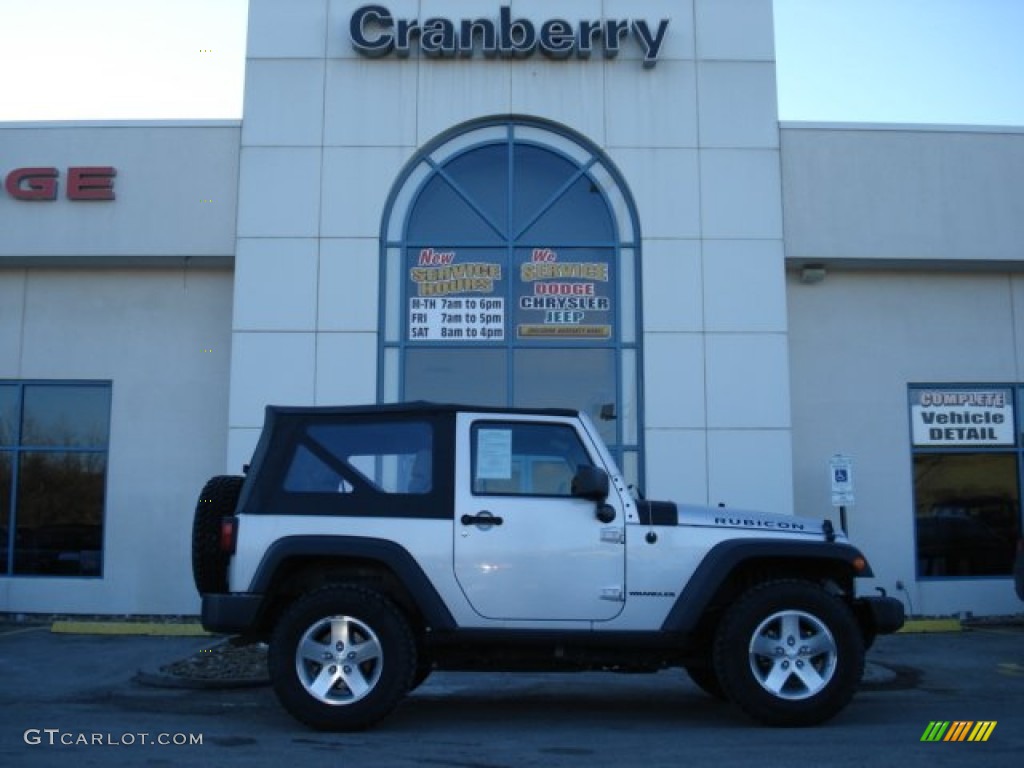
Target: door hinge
(613, 535)
(612, 593)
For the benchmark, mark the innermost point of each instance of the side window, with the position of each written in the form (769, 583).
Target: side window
(392, 457)
(525, 459)
(308, 473)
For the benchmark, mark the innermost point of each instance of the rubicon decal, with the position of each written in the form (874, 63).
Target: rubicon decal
(375, 32)
(747, 522)
(959, 730)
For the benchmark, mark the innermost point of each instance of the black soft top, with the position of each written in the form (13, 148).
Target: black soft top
(417, 407)
(334, 485)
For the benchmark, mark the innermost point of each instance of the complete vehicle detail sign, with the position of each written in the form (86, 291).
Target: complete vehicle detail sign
(962, 416)
(375, 32)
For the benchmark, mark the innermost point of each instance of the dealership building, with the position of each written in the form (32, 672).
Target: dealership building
(588, 204)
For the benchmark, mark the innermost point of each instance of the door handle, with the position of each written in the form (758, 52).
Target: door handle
(484, 518)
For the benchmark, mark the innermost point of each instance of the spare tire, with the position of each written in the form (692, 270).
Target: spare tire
(209, 563)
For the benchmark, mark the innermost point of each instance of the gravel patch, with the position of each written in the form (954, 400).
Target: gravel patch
(228, 664)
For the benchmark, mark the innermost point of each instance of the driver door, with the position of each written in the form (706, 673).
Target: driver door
(525, 547)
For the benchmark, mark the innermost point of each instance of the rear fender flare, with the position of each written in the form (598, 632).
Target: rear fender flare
(389, 554)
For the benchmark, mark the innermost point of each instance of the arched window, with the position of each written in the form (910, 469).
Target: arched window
(510, 254)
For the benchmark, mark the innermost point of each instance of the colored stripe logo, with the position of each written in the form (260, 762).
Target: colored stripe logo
(959, 730)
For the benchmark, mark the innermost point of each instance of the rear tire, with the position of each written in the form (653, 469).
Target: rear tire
(218, 499)
(342, 658)
(788, 653)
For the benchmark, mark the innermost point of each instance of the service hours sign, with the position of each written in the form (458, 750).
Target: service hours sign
(456, 296)
(465, 295)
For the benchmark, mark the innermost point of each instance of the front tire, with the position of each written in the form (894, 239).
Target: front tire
(341, 658)
(788, 653)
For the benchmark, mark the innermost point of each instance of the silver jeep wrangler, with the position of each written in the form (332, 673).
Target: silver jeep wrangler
(372, 545)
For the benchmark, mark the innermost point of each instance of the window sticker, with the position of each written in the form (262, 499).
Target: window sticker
(494, 454)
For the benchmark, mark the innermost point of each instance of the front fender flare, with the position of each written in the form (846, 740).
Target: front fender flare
(722, 559)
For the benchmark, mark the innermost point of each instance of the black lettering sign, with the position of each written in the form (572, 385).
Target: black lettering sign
(375, 32)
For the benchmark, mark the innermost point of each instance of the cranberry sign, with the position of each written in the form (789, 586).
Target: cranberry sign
(375, 32)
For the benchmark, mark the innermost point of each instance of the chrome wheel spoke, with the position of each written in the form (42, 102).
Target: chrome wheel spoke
(818, 644)
(809, 677)
(311, 650)
(776, 680)
(789, 628)
(368, 651)
(321, 685)
(766, 646)
(357, 683)
(339, 633)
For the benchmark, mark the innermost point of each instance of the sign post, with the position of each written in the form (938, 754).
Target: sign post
(841, 475)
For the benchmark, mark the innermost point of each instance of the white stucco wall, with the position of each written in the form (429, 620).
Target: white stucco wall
(920, 233)
(911, 195)
(136, 291)
(175, 192)
(162, 337)
(857, 339)
(695, 137)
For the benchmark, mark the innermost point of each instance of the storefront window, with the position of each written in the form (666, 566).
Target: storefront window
(53, 466)
(967, 461)
(514, 248)
(464, 375)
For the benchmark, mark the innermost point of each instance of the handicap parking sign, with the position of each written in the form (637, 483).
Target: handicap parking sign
(841, 471)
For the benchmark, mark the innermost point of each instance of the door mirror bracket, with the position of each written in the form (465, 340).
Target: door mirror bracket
(605, 513)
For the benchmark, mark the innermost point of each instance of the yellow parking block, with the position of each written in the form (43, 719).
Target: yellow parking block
(931, 625)
(148, 628)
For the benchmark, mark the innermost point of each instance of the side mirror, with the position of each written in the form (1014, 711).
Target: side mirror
(590, 483)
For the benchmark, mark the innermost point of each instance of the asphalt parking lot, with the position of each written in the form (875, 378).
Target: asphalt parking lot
(70, 697)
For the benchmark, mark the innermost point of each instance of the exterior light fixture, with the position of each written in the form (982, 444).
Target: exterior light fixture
(812, 273)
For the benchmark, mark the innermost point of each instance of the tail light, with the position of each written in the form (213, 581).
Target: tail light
(228, 534)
